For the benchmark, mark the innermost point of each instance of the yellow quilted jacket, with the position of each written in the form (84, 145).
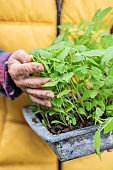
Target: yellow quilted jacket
(27, 24)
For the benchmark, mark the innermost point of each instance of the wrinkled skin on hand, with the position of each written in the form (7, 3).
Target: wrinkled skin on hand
(20, 68)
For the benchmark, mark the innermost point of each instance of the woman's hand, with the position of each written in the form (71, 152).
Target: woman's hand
(20, 67)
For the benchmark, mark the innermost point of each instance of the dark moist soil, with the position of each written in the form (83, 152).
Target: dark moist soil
(57, 129)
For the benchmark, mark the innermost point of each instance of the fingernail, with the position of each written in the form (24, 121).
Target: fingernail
(28, 59)
(50, 95)
(39, 69)
(31, 57)
(48, 79)
(48, 104)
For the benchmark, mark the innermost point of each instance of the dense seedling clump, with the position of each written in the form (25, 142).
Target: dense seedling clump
(80, 66)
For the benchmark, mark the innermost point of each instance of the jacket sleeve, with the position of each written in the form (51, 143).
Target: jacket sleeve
(7, 86)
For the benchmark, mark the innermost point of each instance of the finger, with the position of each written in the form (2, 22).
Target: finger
(27, 68)
(20, 56)
(28, 59)
(110, 150)
(32, 82)
(40, 101)
(40, 93)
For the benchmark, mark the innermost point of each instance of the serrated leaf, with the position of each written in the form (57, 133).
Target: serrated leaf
(109, 81)
(67, 76)
(63, 54)
(58, 110)
(64, 92)
(60, 67)
(93, 53)
(80, 48)
(58, 46)
(57, 102)
(86, 95)
(94, 103)
(106, 92)
(34, 52)
(78, 58)
(111, 71)
(51, 84)
(96, 72)
(45, 63)
(67, 117)
(100, 14)
(103, 13)
(90, 29)
(45, 54)
(106, 41)
(81, 111)
(70, 44)
(97, 141)
(99, 112)
(108, 126)
(73, 121)
(66, 100)
(88, 106)
(51, 113)
(69, 107)
(101, 104)
(110, 107)
(84, 69)
(97, 81)
(96, 15)
(59, 38)
(93, 45)
(108, 55)
(109, 113)
(93, 94)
